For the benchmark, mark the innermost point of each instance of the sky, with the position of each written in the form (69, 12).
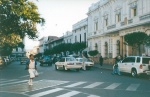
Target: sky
(59, 15)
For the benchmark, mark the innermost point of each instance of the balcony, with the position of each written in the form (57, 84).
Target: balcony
(143, 17)
(112, 26)
(122, 23)
(130, 21)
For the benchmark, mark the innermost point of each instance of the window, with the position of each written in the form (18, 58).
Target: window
(80, 38)
(84, 37)
(118, 17)
(129, 59)
(75, 38)
(62, 60)
(134, 12)
(145, 60)
(106, 22)
(96, 26)
(138, 60)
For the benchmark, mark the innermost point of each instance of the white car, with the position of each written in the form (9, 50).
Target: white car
(86, 63)
(68, 63)
(135, 65)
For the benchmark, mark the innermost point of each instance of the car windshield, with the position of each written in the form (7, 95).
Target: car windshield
(70, 59)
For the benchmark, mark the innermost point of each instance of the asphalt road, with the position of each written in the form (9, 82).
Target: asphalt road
(51, 83)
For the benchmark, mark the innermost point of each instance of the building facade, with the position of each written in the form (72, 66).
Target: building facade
(80, 31)
(68, 37)
(110, 20)
(42, 44)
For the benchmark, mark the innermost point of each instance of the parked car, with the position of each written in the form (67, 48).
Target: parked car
(87, 62)
(23, 60)
(135, 65)
(46, 60)
(68, 63)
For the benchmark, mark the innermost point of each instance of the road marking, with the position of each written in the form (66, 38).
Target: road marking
(113, 86)
(69, 94)
(75, 84)
(133, 87)
(46, 92)
(13, 82)
(93, 96)
(94, 85)
(2, 79)
(6, 81)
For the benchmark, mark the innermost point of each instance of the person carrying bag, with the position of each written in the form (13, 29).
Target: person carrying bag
(32, 69)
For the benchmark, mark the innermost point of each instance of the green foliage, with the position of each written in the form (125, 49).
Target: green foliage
(78, 46)
(65, 47)
(93, 53)
(135, 39)
(21, 45)
(18, 18)
(5, 50)
(147, 41)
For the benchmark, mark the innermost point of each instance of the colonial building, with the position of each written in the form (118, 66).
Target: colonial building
(80, 31)
(110, 20)
(68, 37)
(42, 44)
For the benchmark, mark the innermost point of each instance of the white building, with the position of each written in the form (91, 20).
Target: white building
(110, 20)
(80, 31)
(42, 44)
(68, 37)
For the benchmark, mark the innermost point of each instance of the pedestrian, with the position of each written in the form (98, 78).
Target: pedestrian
(101, 60)
(115, 67)
(32, 69)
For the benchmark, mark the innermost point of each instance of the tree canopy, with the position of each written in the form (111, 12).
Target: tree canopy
(135, 39)
(93, 53)
(18, 18)
(147, 41)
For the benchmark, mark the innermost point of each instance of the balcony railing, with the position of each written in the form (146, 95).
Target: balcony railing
(112, 26)
(130, 21)
(143, 17)
(122, 23)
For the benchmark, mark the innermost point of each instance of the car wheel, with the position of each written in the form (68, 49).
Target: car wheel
(133, 73)
(56, 67)
(64, 68)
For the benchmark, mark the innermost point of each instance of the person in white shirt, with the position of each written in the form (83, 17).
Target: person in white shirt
(31, 66)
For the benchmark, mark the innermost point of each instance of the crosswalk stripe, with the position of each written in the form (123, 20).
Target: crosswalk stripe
(69, 94)
(13, 82)
(113, 86)
(75, 84)
(93, 96)
(2, 79)
(94, 85)
(46, 92)
(7, 81)
(133, 87)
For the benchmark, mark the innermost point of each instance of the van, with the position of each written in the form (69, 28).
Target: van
(135, 65)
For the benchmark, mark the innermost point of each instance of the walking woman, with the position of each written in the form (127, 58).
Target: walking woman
(31, 66)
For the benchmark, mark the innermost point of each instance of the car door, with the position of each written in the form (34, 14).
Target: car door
(122, 64)
(130, 64)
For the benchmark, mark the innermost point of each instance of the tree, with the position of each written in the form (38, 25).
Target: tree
(76, 47)
(135, 40)
(93, 53)
(18, 18)
(147, 41)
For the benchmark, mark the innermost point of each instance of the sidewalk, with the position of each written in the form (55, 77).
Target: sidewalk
(105, 66)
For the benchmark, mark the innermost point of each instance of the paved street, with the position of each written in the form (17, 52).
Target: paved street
(97, 82)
